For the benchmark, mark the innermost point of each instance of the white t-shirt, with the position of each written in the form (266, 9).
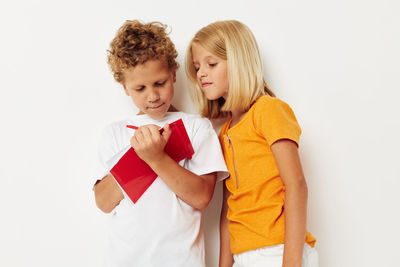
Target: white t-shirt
(160, 229)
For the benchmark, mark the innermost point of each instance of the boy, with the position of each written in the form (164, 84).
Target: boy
(163, 227)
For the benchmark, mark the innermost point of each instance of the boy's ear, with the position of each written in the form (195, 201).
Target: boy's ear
(174, 75)
(126, 90)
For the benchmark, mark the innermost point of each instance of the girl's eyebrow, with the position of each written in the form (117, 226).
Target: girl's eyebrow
(206, 58)
(212, 57)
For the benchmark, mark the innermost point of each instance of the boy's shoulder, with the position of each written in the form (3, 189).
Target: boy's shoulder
(189, 120)
(117, 125)
(196, 126)
(194, 123)
(195, 120)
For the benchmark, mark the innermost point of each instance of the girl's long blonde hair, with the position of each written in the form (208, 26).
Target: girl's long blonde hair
(233, 41)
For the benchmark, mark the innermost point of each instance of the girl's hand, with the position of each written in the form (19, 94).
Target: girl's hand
(149, 143)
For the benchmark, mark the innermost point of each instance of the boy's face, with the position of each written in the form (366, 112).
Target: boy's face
(151, 87)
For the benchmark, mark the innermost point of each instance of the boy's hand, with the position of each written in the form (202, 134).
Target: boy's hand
(149, 143)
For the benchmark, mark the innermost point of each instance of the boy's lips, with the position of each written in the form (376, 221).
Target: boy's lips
(155, 107)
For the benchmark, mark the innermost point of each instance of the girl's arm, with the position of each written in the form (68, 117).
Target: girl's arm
(107, 194)
(296, 192)
(195, 190)
(225, 254)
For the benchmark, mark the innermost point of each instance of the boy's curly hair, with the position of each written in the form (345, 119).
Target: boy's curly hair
(136, 43)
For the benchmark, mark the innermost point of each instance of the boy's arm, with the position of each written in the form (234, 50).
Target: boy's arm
(288, 161)
(107, 194)
(195, 190)
(225, 254)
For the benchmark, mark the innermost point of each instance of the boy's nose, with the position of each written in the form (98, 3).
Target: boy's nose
(153, 96)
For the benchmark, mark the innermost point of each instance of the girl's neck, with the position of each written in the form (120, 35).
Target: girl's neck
(236, 117)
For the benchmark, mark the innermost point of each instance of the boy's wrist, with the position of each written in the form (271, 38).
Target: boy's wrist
(155, 162)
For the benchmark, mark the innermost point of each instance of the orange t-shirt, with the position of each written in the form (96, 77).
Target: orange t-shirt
(257, 193)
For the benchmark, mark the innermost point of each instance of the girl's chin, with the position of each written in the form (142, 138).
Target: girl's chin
(213, 97)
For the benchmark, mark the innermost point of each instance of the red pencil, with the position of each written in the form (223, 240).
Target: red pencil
(132, 127)
(135, 128)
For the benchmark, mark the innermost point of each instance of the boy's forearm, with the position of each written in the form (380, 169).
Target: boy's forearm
(295, 223)
(196, 190)
(107, 194)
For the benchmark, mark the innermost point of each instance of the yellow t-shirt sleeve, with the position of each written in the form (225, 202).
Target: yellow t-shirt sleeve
(275, 120)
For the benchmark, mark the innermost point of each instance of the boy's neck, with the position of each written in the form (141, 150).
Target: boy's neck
(172, 109)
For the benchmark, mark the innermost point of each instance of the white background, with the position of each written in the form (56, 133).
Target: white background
(335, 62)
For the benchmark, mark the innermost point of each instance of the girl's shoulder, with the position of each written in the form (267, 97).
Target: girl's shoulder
(266, 101)
(270, 106)
(271, 114)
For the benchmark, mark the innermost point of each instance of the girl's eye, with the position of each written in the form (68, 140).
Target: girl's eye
(212, 64)
(139, 89)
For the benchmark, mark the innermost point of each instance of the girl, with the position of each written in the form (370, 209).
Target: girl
(263, 218)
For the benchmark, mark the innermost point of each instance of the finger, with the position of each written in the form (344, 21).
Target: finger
(155, 132)
(139, 135)
(143, 137)
(148, 137)
(167, 132)
(134, 142)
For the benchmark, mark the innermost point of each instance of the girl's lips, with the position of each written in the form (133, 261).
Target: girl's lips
(205, 84)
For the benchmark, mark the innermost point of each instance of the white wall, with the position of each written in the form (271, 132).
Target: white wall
(335, 62)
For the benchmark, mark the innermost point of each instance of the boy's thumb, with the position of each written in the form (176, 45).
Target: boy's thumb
(167, 132)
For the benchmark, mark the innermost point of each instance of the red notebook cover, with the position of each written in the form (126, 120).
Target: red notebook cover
(135, 176)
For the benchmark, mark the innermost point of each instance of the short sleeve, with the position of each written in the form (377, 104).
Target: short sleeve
(207, 157)
(106, 149)
(275, 120)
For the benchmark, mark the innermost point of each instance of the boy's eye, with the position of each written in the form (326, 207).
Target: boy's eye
(139, 88)
(160, 83)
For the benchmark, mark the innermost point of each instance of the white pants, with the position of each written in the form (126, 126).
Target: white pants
(272, 257)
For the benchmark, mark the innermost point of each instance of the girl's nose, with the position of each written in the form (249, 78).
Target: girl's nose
(201, 73)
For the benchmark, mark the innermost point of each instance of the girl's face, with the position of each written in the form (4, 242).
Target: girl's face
(212, 72)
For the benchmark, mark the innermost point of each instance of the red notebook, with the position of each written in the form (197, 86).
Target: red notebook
(135, 176)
